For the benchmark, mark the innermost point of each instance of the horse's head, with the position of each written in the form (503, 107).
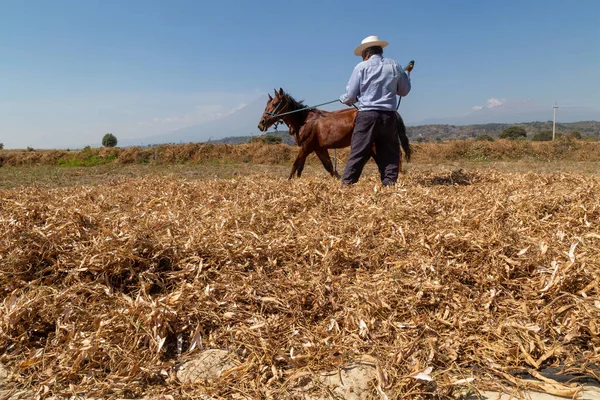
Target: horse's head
(275, 105)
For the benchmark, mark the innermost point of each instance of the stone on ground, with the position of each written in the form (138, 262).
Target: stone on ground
(207, 366)
(358, 382)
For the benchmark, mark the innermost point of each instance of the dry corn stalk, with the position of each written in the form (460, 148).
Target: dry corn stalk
(444, 279)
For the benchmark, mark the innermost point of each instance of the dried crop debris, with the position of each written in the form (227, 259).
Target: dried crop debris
(107, 290)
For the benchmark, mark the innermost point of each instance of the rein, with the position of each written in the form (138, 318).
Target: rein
(273, 115)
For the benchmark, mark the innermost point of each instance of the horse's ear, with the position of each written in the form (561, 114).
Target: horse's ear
(275, 91)
(280, 91)
(270, 98)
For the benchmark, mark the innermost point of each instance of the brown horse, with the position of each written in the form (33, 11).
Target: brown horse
(317, 130)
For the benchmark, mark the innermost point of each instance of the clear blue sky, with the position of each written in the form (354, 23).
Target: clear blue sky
(79, 68)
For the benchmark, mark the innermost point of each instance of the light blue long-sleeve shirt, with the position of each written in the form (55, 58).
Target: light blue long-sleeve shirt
(375, 83)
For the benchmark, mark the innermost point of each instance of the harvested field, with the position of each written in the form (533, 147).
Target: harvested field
(450, 283)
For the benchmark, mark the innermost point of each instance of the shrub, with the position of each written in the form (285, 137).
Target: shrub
(544, 136)
(1, 146)
(484, 138)
(513, 132)
(572, 135)
(30, 148)
(268, 139)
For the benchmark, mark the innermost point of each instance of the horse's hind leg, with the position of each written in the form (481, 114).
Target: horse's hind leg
(294, 168)
(323, 155)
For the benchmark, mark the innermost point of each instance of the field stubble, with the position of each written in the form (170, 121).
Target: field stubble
(448, 283)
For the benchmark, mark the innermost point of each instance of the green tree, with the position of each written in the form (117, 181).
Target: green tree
(544, 136)
(513, 132)
(109, 140)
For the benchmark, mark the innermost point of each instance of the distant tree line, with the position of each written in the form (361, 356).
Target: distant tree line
(588, 130)
(516, 132)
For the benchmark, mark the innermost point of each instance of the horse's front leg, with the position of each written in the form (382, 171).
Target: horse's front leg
(299, 162)
(302, 161)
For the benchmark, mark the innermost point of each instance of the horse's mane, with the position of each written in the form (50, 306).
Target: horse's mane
(293, 103)
(296, 105)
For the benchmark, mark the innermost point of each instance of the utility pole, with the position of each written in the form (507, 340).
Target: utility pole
(554, 123)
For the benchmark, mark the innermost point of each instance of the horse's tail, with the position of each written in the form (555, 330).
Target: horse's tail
(403, 138)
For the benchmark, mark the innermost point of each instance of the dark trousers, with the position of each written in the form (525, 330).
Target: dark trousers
(379, 128)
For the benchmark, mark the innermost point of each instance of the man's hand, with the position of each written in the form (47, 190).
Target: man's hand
(345, 99)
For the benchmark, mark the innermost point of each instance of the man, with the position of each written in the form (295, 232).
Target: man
(374, 85)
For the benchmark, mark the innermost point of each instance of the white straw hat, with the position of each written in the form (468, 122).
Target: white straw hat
(369, 42)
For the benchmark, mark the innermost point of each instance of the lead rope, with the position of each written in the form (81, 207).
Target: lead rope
(273, 115)
(411, 64)
(335, 160)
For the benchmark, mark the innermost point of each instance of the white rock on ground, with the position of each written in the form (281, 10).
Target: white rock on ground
(208, 365)
(357, 383)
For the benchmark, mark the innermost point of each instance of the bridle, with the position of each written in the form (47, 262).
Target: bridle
(273, 114)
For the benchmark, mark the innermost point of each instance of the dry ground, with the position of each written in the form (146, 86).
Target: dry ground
(455, 281)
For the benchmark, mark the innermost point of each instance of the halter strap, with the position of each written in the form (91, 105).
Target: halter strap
(272, 114)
